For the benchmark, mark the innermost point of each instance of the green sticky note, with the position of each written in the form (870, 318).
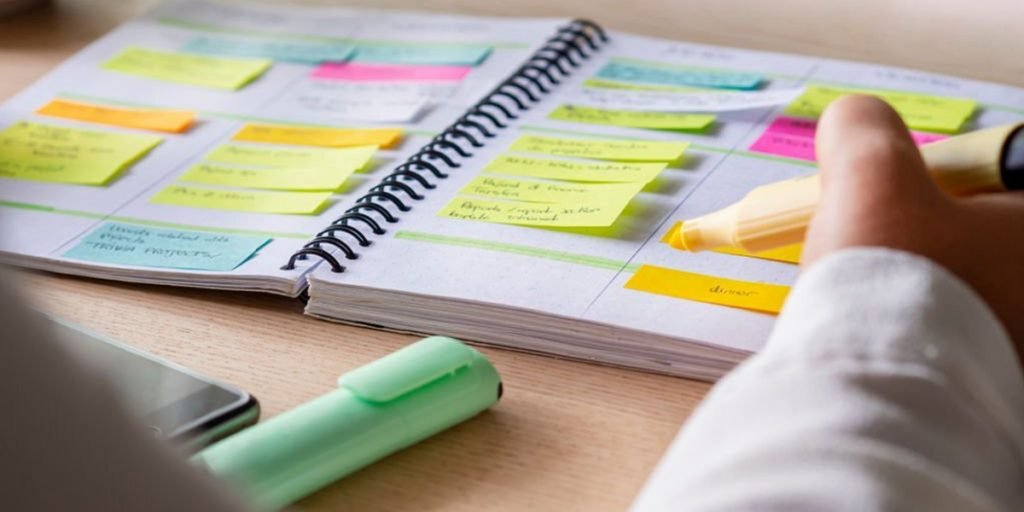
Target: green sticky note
(633, 118)
(292, 158)
(42, 152)
(188, 68)
(919, 111)
(141, 246)
(226, 175)
(532, 191)
(420, 54)
(599, 83)
(532, 214)
(253, 201)
(570, 170)
(669, 74)
(285, 51)
(622, 150)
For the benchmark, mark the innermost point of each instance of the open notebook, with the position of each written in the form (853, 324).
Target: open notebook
(506, 181)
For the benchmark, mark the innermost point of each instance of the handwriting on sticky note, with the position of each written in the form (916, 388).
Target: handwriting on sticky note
(326, 137)
(667, 74)
(525, 214)
(602, 149)
(364, 72)
(794, 138)
(919, 111)
(292, 158)
(550, 192)
(187, 68)
(296, 203)
(279, 50)
(569, 170)
(172, 121)
(308, 179)
(41, 152)
(670, 101)
(762, 297)
(632, 118)
(420, 54)
(140, 246)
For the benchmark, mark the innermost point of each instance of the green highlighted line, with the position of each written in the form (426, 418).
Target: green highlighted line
(523, 250)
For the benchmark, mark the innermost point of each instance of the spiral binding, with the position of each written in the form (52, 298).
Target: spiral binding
(553, 62)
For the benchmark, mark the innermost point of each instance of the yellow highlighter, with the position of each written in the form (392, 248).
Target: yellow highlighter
(777, 215)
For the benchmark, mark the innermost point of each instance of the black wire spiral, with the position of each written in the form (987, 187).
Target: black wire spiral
(553, 62)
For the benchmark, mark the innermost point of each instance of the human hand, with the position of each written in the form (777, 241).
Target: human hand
(876, 192)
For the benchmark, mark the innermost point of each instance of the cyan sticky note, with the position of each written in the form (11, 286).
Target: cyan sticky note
(425, 55)
(283, 51)
(658, 74)
(143, 246)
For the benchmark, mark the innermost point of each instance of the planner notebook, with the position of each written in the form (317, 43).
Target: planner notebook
(508, 181)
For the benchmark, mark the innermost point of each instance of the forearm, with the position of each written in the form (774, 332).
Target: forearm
(887, 385)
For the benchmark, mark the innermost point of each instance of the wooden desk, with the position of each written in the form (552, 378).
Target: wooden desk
(567, 436)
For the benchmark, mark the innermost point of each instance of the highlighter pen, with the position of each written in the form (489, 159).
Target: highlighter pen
(776, 215)
(378, 409)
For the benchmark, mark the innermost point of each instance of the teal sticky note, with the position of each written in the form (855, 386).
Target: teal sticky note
(687, 77)
(284, 51)
(143, 246)
(426, 55)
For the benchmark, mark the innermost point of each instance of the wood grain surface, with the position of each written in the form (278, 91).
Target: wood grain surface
(567, 436)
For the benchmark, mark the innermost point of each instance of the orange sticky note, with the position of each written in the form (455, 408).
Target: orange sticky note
(762, 297)
(173, 121)
(325, 137)
(787, 254)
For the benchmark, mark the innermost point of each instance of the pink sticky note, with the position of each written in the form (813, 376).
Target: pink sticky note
(360, 72)
(793, 137)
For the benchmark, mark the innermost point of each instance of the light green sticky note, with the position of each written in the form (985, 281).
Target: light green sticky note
(313, 52)
(143, 246)
(532, 214)
(633, 118)
(292, 158)
(254, 201)
(622, 150)
(532, 191)
(227, 175)
(421, 54)
(570, 170)
(60, 154)
(188, 68)
(600, 83)
(919, 111)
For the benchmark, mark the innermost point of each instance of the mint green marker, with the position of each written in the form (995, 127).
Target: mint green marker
(378, 409)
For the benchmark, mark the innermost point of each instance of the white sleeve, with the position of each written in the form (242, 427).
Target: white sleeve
(887, 385)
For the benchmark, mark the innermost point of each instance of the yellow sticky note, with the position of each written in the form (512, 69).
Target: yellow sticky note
(601, 83)
(762, 297)
(633, 118)
(525, 214)
(41, 152)
(292, 158)
(550, 192)
(188, 68)
(568, 170)
(787, 254)
(919, 111)
(254, 201)
(273, 179)
(326, 137)
(602, 149)
(173, 121)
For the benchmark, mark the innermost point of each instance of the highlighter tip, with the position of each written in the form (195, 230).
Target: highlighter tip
(677, 241)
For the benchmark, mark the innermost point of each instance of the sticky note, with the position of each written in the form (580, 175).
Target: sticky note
(298, 203)
(279, 50)
(188, 68)
(667, 74)
(344, 102)
(292, 158)
(762, 297)
(792, 137)
(421, 54)
(272, 179)
(172, 121)
(677, 101)
(140, 246)
(550, 192)
(41, 152)
(623, 150)
(919, 111)
(569, 170)
(600, 83)
(326, 137)
(632, 118)
(526, 214)
(787, 254)
(363, 72)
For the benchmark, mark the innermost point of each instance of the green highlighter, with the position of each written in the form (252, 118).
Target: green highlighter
(378, 409)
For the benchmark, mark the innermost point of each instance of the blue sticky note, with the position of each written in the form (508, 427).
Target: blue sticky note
(285, 51)
(658, 75)
(424, 55)
(143, 246)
